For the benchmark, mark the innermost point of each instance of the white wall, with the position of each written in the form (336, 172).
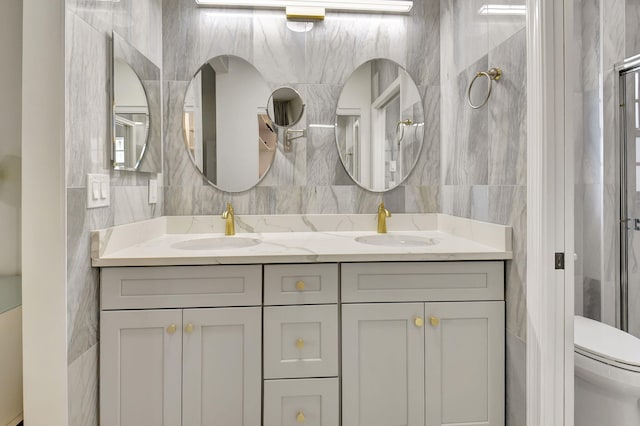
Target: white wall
(44, 261)
(10, 134)
(243, 91)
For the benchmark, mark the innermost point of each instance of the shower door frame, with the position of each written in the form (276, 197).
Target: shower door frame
(550, 213)
(629, 65)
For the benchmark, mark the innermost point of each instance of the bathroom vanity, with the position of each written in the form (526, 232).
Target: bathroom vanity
(311, 320)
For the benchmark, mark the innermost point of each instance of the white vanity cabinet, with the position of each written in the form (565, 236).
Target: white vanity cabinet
(175, 366)
(321, 344)
(411, 360)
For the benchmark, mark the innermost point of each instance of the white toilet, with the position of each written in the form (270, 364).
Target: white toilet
(607, 375)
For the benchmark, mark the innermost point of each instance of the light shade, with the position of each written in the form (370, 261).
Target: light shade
(502, 9)
(391, 6)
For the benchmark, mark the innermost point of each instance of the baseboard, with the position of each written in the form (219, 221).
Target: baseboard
(17, 421)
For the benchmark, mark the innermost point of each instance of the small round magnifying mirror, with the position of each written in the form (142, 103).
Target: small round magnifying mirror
(285, 107)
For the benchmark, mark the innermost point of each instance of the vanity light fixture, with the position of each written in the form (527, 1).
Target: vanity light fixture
(389, 6)
(502, 9)
(322, 126)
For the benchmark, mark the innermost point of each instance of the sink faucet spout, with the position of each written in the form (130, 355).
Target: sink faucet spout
(229, 217)
(383, 214)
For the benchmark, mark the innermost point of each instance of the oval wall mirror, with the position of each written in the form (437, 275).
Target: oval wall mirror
(285, 107)
(228, 134)
(136, 103)
(379, 125)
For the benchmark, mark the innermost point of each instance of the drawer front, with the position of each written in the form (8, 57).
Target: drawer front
(181, 287)
(422, 281)
(300, 284)
(312, 402)
(300, 341)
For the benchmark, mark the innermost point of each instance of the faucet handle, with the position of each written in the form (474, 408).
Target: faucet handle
(383, 210)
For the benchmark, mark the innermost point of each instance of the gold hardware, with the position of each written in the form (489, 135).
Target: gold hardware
(300, 285)
(171, 329)
(435, 321)
(188, 328)
(300, 417)
(229, 216)
(419, 322)
(300, 344)
(383, 214)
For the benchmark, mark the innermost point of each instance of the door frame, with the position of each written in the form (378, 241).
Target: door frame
(550, 214)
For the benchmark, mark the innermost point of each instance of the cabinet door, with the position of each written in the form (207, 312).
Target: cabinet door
(465, 363)
(140, 368)
(222, 376)
(383, 365)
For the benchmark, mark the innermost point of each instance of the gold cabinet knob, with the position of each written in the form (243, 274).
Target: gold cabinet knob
(418, 321)
(300, 343)
(189, 328)
(300, 285)
(435, 321)
(172, 329)
(300, 417)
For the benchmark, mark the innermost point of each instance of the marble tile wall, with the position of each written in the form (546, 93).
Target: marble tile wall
(483, 152)
(311, 179)
(89, 25)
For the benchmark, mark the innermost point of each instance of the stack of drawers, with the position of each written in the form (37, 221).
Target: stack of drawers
(301, 345)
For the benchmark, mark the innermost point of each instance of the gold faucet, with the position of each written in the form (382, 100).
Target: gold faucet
(230, 227)
(383, 214)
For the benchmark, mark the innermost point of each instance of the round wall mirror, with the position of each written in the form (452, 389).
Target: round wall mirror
(379, 125)
(285, 107)
(228, 134)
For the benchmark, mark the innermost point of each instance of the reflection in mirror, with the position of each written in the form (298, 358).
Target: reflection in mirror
(379, 125)
(227, 132)
(136, 110)
(285, 107)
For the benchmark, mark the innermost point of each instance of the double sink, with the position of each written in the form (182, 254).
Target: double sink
(238, 242)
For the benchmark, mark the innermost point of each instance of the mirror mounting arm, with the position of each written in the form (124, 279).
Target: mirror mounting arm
(288, 147)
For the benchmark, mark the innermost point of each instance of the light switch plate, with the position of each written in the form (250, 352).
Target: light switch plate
(98, 190)
(153, 191)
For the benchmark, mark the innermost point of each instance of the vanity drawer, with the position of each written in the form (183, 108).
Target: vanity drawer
(312, 402)
(300, 284)
(300, 341)
(181, 287)
(422, 281)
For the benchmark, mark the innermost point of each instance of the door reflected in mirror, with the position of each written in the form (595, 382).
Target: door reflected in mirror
(136, 141)
(227, 131)
(379, 125)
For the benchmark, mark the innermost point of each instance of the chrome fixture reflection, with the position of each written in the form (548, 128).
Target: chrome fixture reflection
(227, 132)
(379, 125)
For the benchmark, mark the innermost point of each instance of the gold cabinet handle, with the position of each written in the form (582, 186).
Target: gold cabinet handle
(172, 329)
(300, 417)
(435, 321)
(189, 328)
(418, 321)
(300, 285)
(300, 343)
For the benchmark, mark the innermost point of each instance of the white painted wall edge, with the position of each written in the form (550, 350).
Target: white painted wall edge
(546, 212)
(44, 293)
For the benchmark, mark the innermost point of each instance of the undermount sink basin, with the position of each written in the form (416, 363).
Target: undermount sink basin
(216, 243)
(396, 240)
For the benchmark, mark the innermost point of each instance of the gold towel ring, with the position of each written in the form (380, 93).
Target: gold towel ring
(492, 74)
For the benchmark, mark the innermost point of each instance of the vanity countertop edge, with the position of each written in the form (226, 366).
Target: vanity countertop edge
(298, 239)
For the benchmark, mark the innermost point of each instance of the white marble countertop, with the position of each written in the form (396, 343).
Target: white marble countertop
(298, 239)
